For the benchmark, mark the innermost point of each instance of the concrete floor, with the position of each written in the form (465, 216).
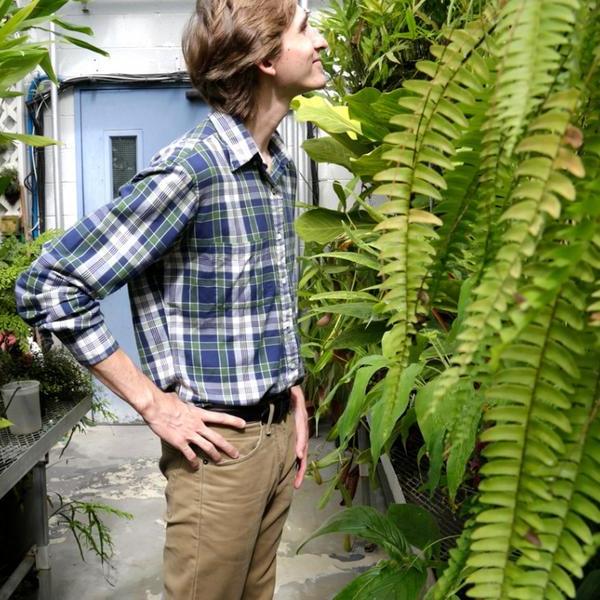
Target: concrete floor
(117, 465)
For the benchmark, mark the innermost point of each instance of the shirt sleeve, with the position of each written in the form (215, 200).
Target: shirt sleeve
(61, 290)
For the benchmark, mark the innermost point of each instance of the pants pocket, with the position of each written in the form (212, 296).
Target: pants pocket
(247, 441)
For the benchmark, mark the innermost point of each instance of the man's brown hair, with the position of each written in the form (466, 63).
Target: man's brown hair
(223, 42)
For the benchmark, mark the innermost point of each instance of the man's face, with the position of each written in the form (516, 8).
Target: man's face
(298, 67)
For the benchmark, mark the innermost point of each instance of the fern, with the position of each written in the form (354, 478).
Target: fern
(526, 38)
(540, 483)
(425, 145)
(576, 491)
(458, 209)
(523, 444)
(452, 578)
(542, 183)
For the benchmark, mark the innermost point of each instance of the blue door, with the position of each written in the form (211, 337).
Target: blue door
(119, 130)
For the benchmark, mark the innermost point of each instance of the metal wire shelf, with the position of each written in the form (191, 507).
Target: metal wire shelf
(411, 481)
(19, 452)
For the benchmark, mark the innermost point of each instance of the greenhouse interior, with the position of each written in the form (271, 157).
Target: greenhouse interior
(299, 300)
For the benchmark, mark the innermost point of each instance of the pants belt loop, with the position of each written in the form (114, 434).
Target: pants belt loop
(270, 419)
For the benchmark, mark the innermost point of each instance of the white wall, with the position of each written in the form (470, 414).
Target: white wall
(142, 37)
(66, 115)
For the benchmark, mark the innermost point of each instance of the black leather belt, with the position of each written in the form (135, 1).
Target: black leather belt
(260, 411)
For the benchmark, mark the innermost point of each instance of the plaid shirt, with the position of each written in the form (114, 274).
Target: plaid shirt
(204, 237)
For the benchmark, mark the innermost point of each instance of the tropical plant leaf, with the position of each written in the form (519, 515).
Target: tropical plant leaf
(386, 412)
(386, 581)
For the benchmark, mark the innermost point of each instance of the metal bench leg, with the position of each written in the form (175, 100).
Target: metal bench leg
(42, 554)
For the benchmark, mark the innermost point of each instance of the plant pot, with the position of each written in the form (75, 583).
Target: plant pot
(22, 402)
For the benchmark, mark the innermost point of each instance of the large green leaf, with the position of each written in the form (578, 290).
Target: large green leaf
(4, 6)
(85, 45)
(416, 523)
(359, 336)
(368, 523)
(356, 406)
(359, 259)
(46, 8)
(386, 412)
(15, 69)
(73, 27)
(589, 589)
(328, 150)
(30, 140)
(368, 165)
(362, 107)
(329, 118)
(15, 21)
(463, 434)
(360, 310)
(386, 581)
(323, 225)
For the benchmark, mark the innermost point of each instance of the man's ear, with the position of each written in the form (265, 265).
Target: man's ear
(267, 67)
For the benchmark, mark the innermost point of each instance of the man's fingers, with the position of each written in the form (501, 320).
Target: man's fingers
(301, 472)
(301, 449)
(220, 442)
(219, 418)
(206, 446)
(191, 457)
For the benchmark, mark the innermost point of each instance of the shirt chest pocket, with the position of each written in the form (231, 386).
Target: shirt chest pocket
(236, 220)
(225, 278)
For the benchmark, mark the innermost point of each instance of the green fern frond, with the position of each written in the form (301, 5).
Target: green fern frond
(533, 396)
(529, 35)
(527, 43)
(576, 492)
(425, 144)
(453, 576)
(458, 208)
(542, 185)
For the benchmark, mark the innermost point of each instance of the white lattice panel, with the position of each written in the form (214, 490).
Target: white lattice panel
(9, 121)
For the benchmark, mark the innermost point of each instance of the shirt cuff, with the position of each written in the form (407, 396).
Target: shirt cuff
(91, 346)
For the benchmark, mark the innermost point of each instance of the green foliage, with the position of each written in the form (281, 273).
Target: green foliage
(84, 519)
(376, 43)
(59, 374)
(19, 56)
(403, 528)
(9, 181)
(15, 257)
(489, 167)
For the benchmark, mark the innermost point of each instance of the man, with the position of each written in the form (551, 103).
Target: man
(204, 238)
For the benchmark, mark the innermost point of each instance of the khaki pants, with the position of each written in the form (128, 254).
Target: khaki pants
(224, 521)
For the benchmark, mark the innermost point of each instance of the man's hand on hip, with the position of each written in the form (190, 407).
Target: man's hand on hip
(181, 424)
(301, 421)
(175, 421)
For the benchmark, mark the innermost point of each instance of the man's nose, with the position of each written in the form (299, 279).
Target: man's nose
(320, 42)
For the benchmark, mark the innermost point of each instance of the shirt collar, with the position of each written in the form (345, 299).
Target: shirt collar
(241, 145)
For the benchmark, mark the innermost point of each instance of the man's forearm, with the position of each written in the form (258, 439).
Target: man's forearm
(178, 423)
(120, 374)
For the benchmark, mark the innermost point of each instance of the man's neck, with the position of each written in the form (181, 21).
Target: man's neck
(270, 110)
